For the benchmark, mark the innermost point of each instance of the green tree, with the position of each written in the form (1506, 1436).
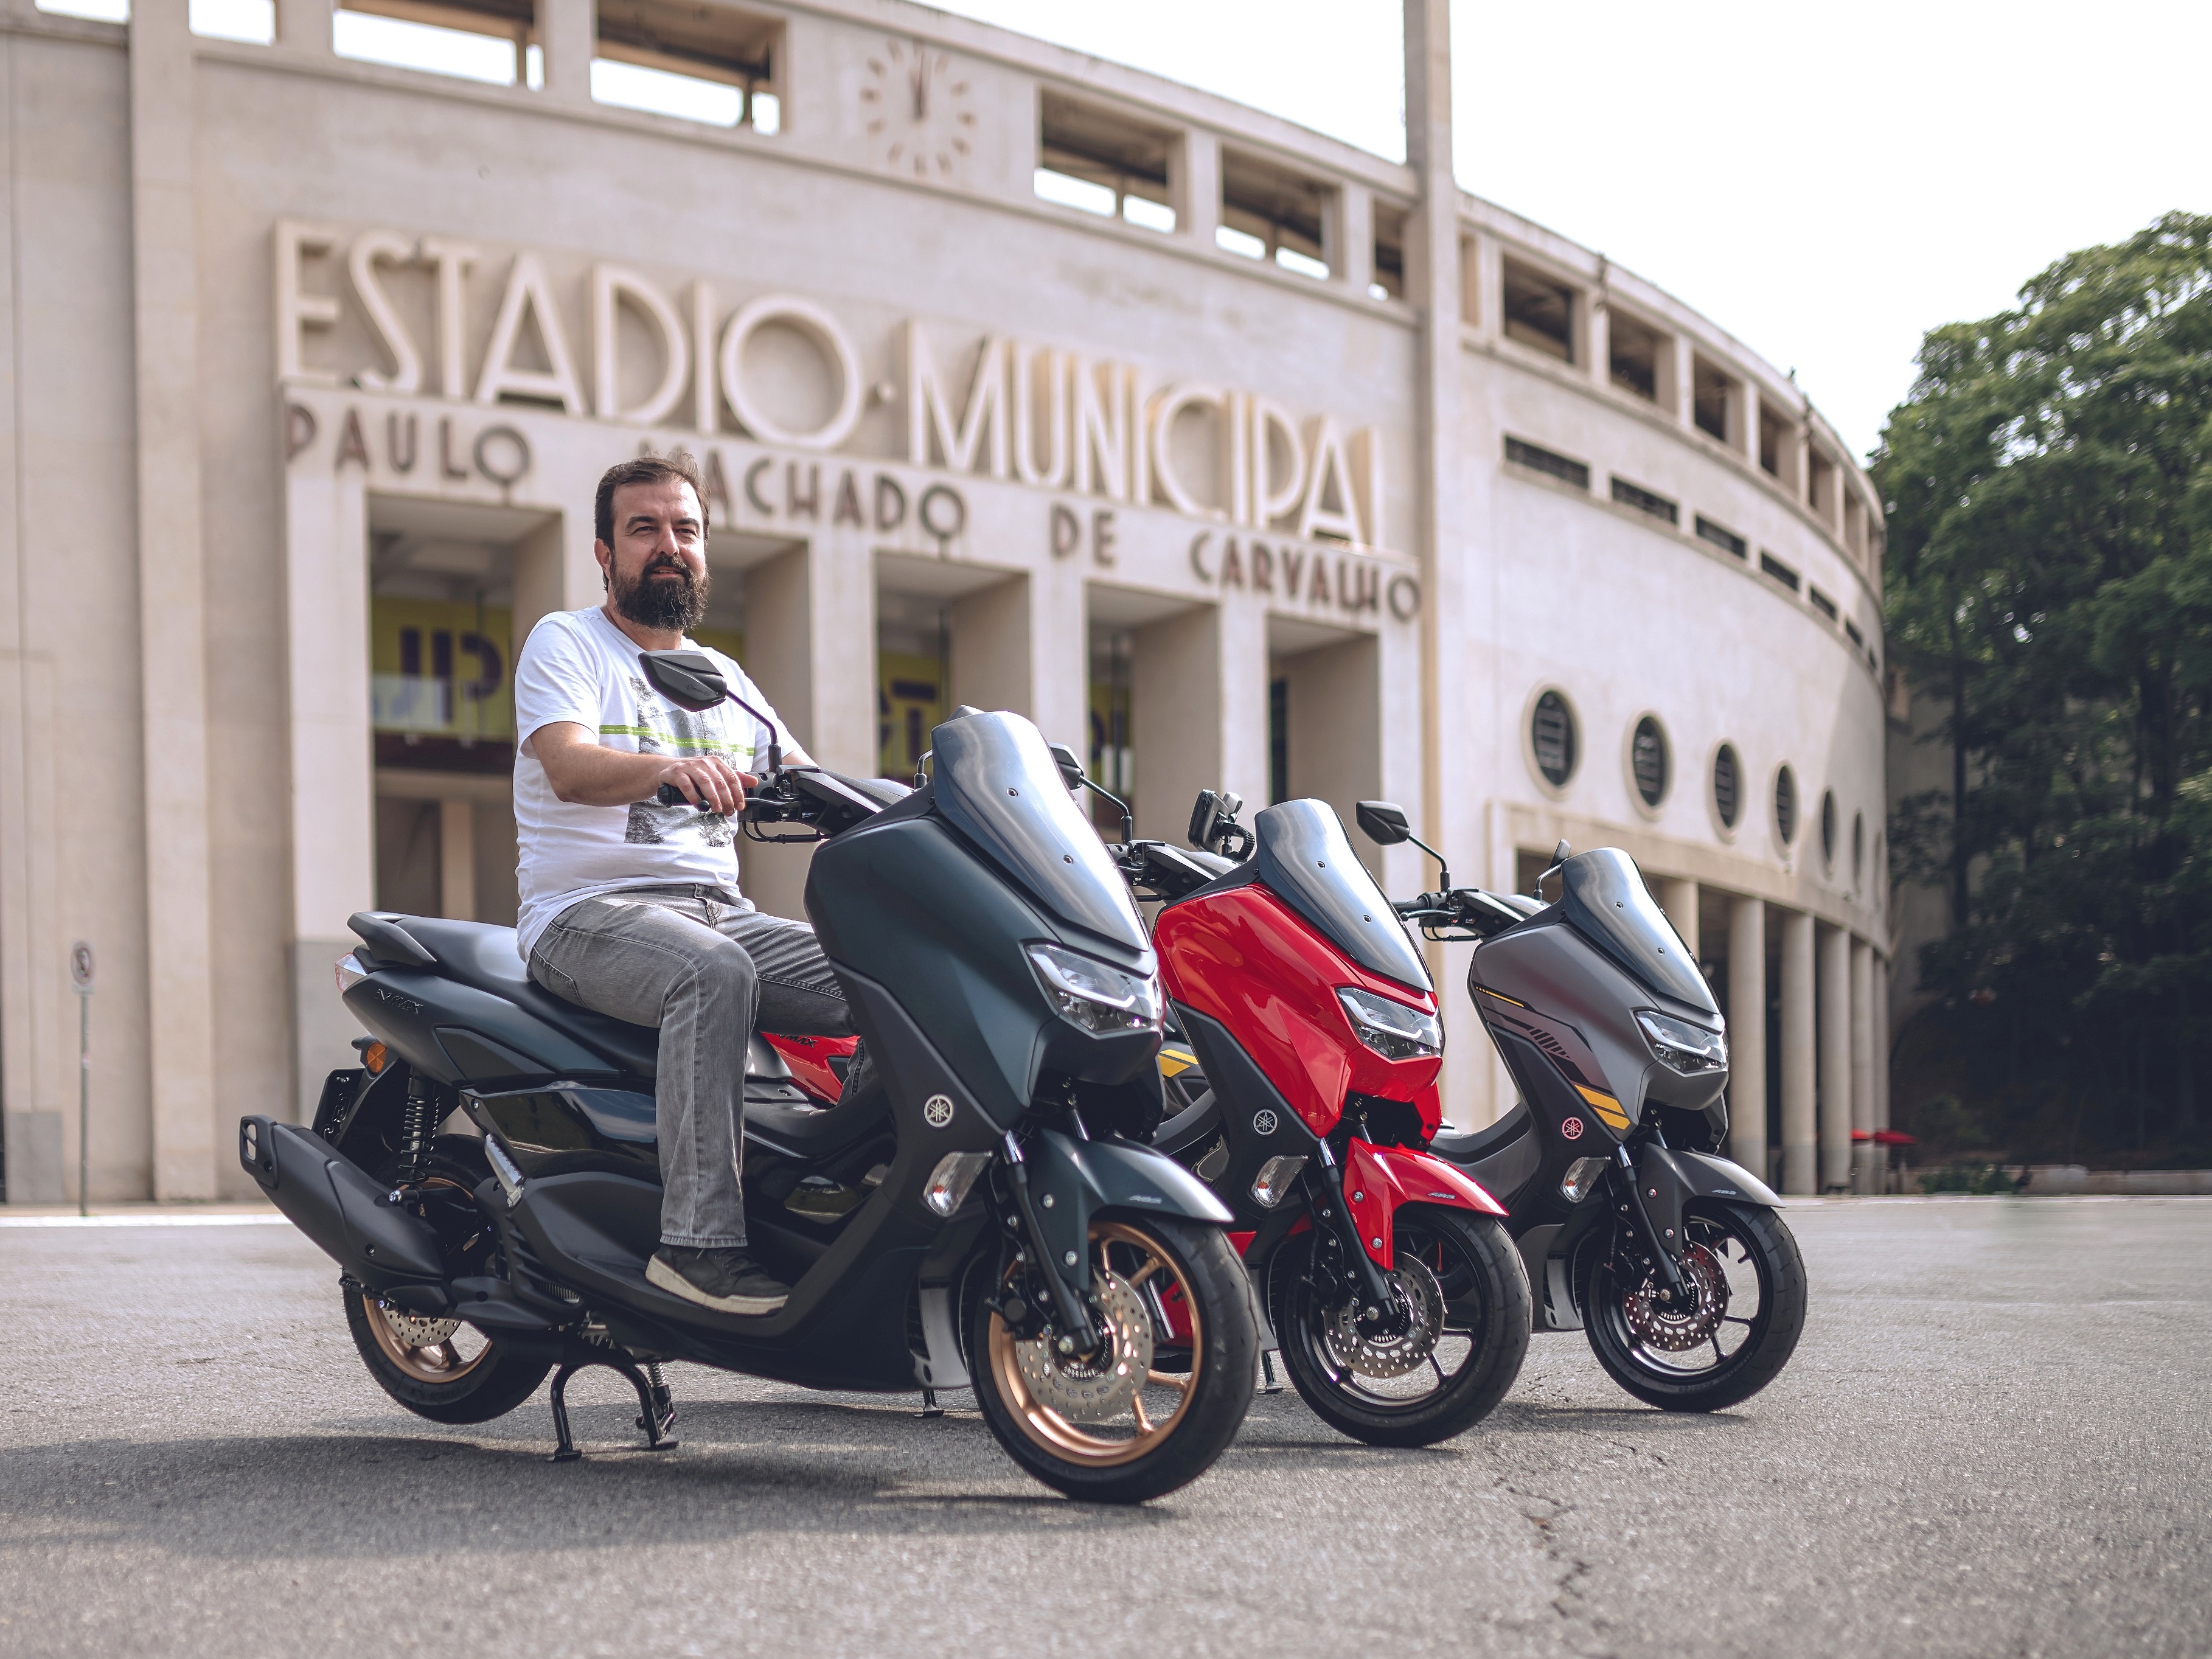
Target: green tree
(2049, 484)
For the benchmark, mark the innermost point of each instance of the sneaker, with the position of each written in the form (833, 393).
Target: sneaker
(728, 1281)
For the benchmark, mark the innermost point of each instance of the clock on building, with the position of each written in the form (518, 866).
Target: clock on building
(917, 103)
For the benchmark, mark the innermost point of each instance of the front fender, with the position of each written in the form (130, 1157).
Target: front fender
(1671, 1179)
(1378, 1179)
(1081, 1177)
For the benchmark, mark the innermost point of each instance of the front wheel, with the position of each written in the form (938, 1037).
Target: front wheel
(1163, 1396)
(1728, 1339)
(1463, 1299)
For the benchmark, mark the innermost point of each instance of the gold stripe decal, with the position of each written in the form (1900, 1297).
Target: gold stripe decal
(1500, 995)
(1173, 1060)
(1606, 1108)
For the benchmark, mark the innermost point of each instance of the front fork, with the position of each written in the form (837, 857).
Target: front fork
(1663, 1249)
(1380, 1308)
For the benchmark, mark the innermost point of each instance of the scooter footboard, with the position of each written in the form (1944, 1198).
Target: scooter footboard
(1378, 1179)
(330, 1199)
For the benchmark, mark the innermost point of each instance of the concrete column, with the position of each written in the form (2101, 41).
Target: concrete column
(1597, 340)
(1743, 414)
(1352, 260)
(1835, 1040)
(171, 589)
(993, 648)
(1863, 1109)
(1679, 899)
(1800, 1171)
(1747, 1013)
(1879, 996)
(1335, 733)
(457, 861)
(1685, 380)
(304, 26)
(1175, 735)
(568, 29)
(1195, 184)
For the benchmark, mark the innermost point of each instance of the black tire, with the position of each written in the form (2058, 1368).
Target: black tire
(1104, 1460)
(1764, 1255)
(1485, 1288)
(457, 1379)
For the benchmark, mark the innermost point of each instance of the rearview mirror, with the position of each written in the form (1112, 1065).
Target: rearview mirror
(687, 679)
(1071, 767)
(1383, 822)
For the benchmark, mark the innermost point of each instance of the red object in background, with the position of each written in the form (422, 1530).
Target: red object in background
(1246, 959)
(1885, 1137)
(809, 1058)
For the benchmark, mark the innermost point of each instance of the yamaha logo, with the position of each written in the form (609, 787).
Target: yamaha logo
(937, 1111)
(1572, 1129)
(1263, 1123)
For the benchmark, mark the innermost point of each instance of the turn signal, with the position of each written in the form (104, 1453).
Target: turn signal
(1582, 1177)
(1276, 1177)
(948, 1181)
(351, 972)
(375, 1058)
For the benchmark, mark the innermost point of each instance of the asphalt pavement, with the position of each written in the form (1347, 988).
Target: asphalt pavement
(1992, 1441)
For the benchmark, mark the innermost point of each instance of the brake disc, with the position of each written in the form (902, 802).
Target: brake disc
(1097, 1389)
(414, 1331)
(1379, 1354)
(1669, 1327)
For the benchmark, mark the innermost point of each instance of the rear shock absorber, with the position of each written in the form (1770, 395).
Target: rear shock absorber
(415, 1127)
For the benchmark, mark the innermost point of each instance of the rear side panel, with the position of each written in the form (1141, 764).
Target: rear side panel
(1244, 958)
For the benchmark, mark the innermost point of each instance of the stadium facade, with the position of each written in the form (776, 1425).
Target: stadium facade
(1236, 455)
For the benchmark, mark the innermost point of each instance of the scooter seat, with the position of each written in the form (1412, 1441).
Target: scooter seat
(483, 958)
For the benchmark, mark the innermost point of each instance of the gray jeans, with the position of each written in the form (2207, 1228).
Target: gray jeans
(709, 970)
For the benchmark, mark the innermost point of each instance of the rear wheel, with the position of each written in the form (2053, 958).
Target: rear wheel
(1464, 1297)
(442, 1369)
(1739, 1330)
(1165, 1394)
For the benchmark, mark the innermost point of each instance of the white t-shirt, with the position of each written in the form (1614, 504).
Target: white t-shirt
(578, 666)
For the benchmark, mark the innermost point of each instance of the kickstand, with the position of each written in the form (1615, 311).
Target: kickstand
(929, 1406)
(656, 1405)
(1270, 1384)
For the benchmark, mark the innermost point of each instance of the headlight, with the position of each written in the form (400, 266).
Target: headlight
(1097, 995)
(1391, 1028)
(1682, 1047)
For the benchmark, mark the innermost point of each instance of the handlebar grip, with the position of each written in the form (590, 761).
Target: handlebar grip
(669, 795)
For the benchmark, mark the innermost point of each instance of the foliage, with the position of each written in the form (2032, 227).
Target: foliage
(2049, 482)
(1980, 1179)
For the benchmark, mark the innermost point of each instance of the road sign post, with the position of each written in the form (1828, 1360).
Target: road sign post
(80, 978)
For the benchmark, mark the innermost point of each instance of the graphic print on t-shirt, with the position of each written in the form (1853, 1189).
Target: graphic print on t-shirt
(661, 730)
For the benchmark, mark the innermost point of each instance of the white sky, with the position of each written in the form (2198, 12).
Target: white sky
(1826, 183)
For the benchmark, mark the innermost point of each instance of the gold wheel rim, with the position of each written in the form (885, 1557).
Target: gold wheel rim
(438, 1363)
(1075, 1442)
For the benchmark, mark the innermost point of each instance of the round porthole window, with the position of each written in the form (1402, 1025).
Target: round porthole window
(1728, 784)
(1828, 826)
(1551, 736)
(1785, 805)
(1647, 761)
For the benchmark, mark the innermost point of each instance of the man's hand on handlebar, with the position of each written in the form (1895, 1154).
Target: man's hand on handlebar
(709, 782)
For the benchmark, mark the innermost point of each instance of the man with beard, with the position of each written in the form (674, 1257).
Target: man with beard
(631, 908)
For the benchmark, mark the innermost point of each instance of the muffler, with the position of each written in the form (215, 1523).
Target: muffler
(328, 1198)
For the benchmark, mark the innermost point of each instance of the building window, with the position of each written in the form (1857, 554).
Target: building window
(1728, 781)
(1774, 435)
(1852, 628)
(1102, 162)
(1712, 393)
(1648, 761)
(1828, 826)
(1389, 280)
(1727, 540)
(1820, 485)
(712, 65)
(1771, 566)
(1858, 848)
(1551, 736)
(1633, 350)
(1279, 739)
(1785, 805)
(1269, 212)
(1539, 312)
(253, 21)
(1644, 500)
(1543, 460)
(1821, 603)
(494, 42)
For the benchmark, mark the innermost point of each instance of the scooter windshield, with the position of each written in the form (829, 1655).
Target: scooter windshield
(997, 783)
(1603, 895)
(1305, 859)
